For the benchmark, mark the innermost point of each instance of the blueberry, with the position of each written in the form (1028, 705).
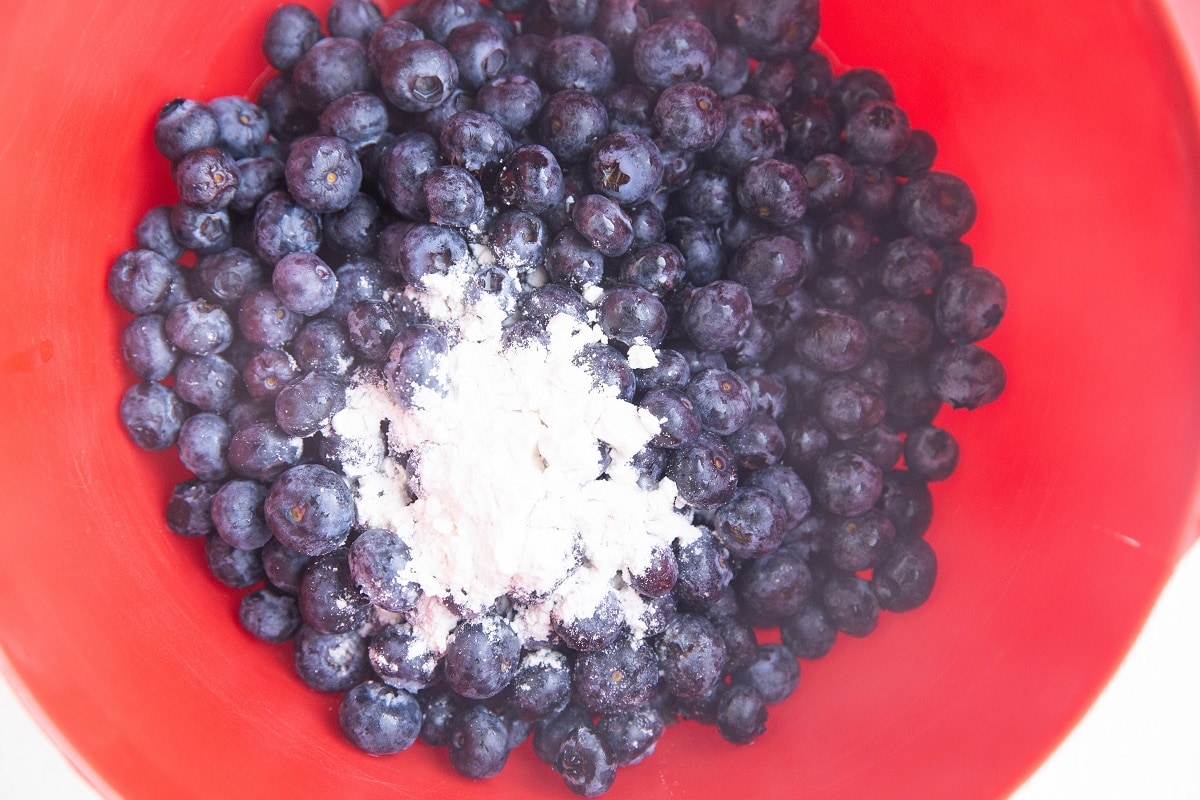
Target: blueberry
(243, 125)
(592, 628)
(531, 180)
(966, 376)
(785, 486)
(630, 736)
(550, 733)
(262, 452)
(609, 370)
(199, 328)
(937, 207)
(453, 197)
(354, 19)
(323, 174)
(757, 444)
(832, 341)
(630, 108)
(140, 281)
(282, 226)
(413, 365)
(569, 125)
(751, 523)
(474, 141)
(774, 673)
(402, 172)
(721, 400)
(770, 266)
(379, 719)
(657, 578)
(189, 509)
(541, 686)
(237, 514)
(806, 441)
(626, 167)
(604, 224)
(850, 604)
(270, 615)
(235, 568)
(918, 156)
(632, 316)
(310, 509)
(226, 277)
(284, 566)
(730, 70)
(478, 743)
(691, 656)
(153, 232)
(378, 560)
(512, 100)
(678, 422)
(573, 15)
(618, 677)
(858, 543)
(773, 28)
(875, 191)
(768, 391)
(289, 119)
(524, 49)
(146, 349)
(545, 302)
(648, 224)
(267, 372)
(878, 132)
(358, 119)
(440, 706)
(617, 24)
(716, 314)
(184, 126)
(753, 130)
(481, 657)
(700, 247)
(329, 69)
(849, 407)
(387, 38)
(704, 472)
(671, 371)
(417, 250)
(330, 601)
(830, 182)
(419, 75)
(741, 714)
(690, 116)
(323, 345)
(702, 709)
(203, 439)
(881, 445)
(969, 304)
(303, 407)
(741, 643)
(910, 268)
(330, 662)
(207, 382)
(847, 483)
(905, 578)
(808, 634)
(707, 196)
(401, 659)
(930, 453)
(657, 267)
(291, 30)
(773, 191)
(673, 51)
(207, 179)
(901, 330)
(585, 765)
(576, 62)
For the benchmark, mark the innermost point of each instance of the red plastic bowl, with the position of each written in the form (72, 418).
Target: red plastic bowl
(1074, 122)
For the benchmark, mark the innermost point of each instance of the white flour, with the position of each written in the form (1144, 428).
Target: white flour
(502, 495)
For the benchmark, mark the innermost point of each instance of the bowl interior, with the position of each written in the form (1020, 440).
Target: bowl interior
(1074, 124)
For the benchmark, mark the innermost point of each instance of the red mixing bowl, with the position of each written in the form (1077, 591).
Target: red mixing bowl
(1075, 122)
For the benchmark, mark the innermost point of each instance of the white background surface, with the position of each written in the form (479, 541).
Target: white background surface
(1140, 740)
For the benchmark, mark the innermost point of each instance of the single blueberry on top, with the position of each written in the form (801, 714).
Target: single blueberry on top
(419, 75)
(310, 509)
(481, 657)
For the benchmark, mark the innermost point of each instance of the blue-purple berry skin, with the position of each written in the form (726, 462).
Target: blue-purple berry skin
(379, 719)
(270, 615)
(310, 509)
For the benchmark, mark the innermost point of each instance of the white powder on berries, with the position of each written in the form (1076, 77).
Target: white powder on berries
(515, 487)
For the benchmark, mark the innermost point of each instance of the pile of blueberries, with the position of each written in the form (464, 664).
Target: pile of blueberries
(775, 232)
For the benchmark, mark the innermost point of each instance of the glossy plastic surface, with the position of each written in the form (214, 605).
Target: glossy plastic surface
(1075, 125)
